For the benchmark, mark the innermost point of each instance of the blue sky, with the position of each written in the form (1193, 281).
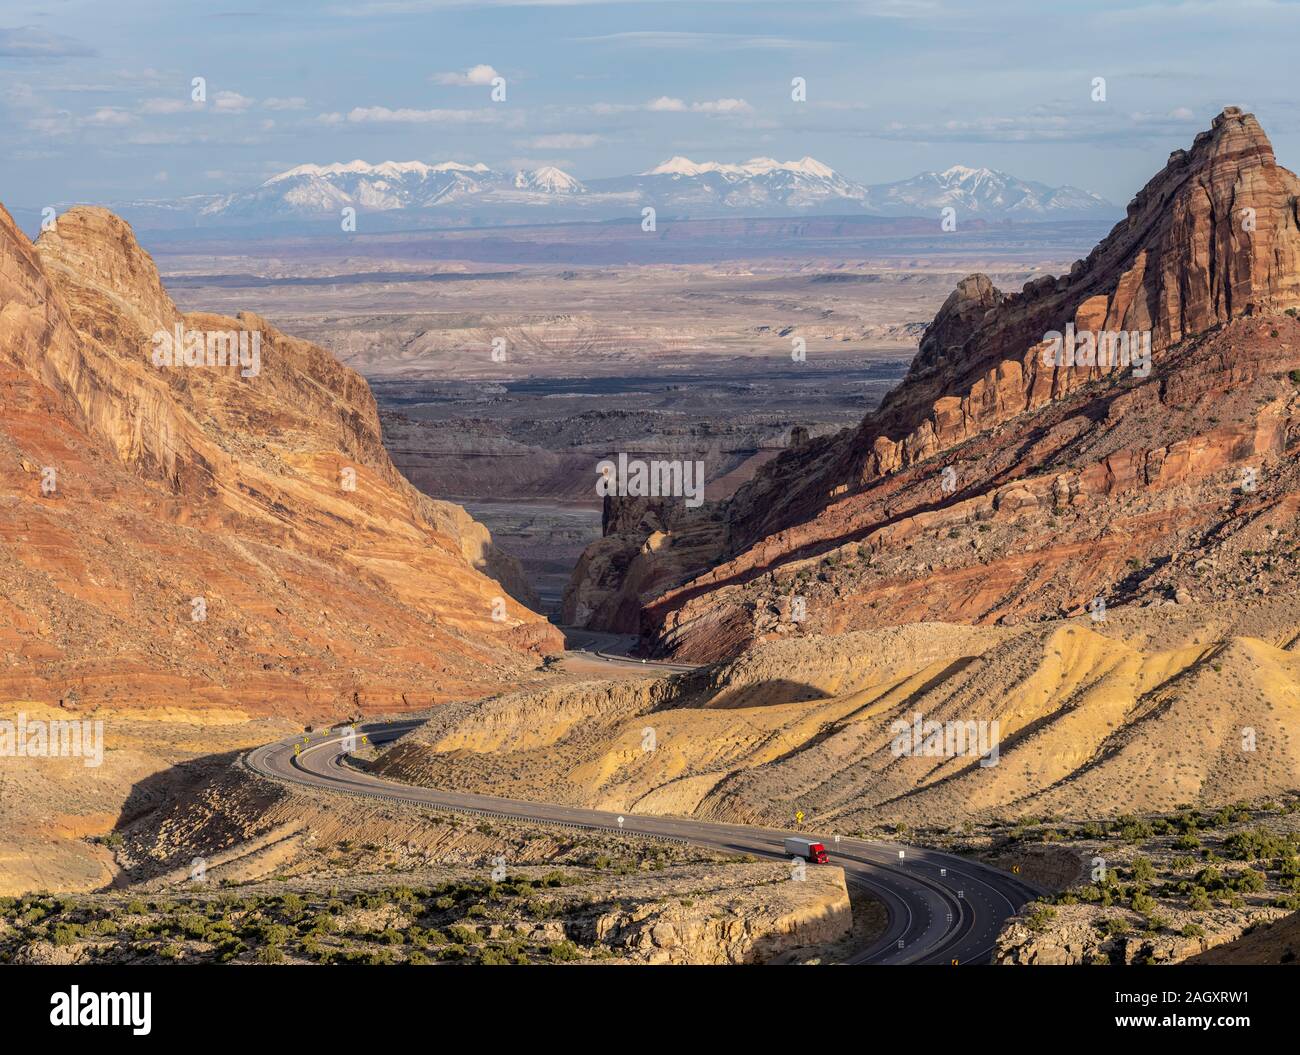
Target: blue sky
(95, 97)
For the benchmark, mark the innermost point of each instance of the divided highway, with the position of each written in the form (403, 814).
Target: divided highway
(941, 908)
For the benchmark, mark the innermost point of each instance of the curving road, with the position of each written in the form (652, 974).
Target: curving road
(941, 908)
(613, 650)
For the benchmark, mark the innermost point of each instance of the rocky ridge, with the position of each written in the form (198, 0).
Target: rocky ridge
(991, 486)
(188, 536)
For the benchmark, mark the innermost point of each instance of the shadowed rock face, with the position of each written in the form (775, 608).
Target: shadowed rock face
(1065, 476)
(961, 316)
(627, 562)
(176, 483)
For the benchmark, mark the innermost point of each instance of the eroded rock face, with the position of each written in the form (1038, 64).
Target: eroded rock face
(962, 314)
(1074, 938)
(756, 926)
(1065, 479)
(131, 489)
(1181, 263)
(647, 545)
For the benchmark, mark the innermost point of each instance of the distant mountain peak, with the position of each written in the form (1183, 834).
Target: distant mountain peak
(677, 166)
(812, 167)
(986, 192)
(684, 166)
(963, 172)
(455, 166)
(549, 180)
(391, 169)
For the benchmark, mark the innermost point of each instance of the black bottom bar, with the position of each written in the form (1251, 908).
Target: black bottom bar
(339, 1004)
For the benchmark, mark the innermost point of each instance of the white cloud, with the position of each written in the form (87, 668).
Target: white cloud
(19, 95)
(686, 41)
(296, 102)
(155, 138)
(563, 141)
(1090, 124)
(108, 116)
(723, 106)
(529, 163)
(383, 115)
(231, 102)
(482, 74)
(666, 104)
(60, 123)
(122, 81)
(37, 45)
(168, 106)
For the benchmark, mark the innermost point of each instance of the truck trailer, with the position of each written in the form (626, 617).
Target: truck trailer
(811, 851)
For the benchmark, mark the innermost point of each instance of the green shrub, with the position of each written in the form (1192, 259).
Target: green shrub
(322, 923)
(66, 933)
(1143, 870)
(292, 904)
(493, 957)
(1257, 843)
(228, 950)
(1114, 926)
(1131, 829)
(1040, 918)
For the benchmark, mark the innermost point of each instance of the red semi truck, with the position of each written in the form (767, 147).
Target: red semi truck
(812, 852)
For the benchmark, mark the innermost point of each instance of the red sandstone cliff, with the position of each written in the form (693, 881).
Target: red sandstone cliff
(177, 483)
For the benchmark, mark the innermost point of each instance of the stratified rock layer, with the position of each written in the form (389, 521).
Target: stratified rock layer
(1065, 482)
(189, 536)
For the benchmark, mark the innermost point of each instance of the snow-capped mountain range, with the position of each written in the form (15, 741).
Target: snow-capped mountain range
(985, 192)
(454, 192)
(317, 191)
(760, 184)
